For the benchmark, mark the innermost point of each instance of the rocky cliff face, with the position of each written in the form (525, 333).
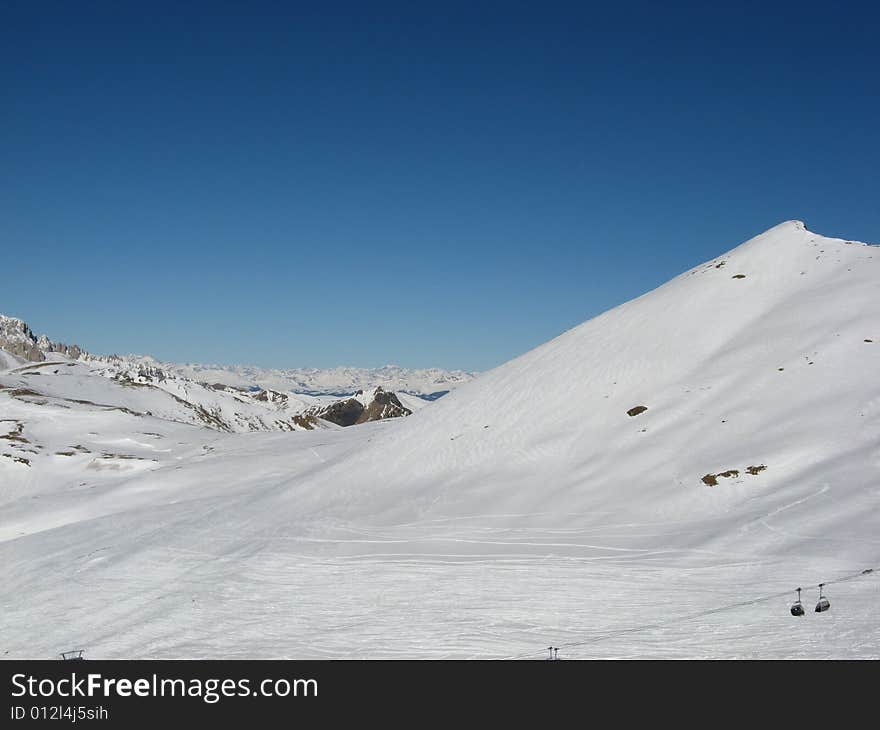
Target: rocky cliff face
(46, 345)
(18, 339)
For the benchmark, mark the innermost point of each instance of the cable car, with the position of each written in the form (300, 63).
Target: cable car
(73, 656)
(824, 604)
(797, 608)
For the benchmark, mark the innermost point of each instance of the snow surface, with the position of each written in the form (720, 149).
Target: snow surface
(525, 509)
(412, 402)
(9, 361)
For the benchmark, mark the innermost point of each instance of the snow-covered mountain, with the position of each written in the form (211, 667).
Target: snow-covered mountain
(652, 483)
(762, 360)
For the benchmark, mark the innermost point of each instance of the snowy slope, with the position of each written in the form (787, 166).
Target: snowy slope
(775, 369)
(9, 361)
(524, 509)
(63, 383)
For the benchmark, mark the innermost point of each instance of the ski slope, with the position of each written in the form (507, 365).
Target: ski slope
(524, 509)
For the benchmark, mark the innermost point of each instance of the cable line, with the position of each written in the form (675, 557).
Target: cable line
(690, 617)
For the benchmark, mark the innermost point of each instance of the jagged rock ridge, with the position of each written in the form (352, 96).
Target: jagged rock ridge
(18, 339)
(361, 408)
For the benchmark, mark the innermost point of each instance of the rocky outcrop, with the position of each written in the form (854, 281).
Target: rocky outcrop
(23, 349)
(18, 339)
(344, 412)
(46, 345)
(269, 396)
(361, 408)
(384, 405)
(141, 375)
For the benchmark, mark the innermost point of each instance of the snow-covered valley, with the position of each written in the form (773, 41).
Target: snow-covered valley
(655, 482)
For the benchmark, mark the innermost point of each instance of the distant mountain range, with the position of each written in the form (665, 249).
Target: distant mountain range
(41, 372)
(428, 383)
(17, 339)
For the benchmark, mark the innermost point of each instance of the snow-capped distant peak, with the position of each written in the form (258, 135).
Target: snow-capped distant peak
(337, 381)
(17, 339)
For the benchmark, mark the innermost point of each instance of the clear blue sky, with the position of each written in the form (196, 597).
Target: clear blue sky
(445, 184)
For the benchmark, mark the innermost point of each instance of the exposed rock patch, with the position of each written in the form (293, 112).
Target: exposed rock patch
(20, 392)
(712, 479)
(636, 410)
(18, 459)
(343, 412)
(16, 434)
(309, 423)
(271, 396)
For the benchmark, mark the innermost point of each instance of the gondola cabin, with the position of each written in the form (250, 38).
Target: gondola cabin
(797, 608)
(824, 604)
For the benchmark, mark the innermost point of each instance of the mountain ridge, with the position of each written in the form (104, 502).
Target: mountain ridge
(17, 339)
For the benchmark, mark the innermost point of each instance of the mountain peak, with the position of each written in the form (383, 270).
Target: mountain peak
(17, 338)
